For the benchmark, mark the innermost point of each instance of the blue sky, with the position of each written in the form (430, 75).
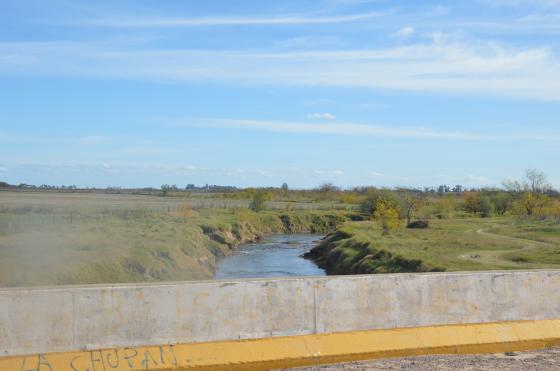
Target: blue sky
(255, 93)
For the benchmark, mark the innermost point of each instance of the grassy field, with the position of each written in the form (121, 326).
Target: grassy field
(90, 201)
(49, 238)
(447, 245)
(69, 238)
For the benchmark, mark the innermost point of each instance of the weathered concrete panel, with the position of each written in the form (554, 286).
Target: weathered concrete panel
(33, 321)
(356, 303)
(49, 320)
(193, 312)
(42, 320)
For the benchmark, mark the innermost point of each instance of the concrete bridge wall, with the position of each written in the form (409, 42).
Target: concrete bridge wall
(78, 318)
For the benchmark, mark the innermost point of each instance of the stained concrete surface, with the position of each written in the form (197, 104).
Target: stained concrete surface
(59, 319)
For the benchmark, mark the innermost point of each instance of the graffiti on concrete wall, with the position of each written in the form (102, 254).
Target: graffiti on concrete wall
(130, 358)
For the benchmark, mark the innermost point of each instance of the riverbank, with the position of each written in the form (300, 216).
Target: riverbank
(447, 245)
(78, 241)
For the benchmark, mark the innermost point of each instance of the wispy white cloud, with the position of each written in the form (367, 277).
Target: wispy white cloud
(321, 116)
(229, 21)
(326, 128)
(443, 65)
(405, 31)
(517, 3)
(361, 129)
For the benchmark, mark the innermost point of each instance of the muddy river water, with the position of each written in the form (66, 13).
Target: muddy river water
(275, 256)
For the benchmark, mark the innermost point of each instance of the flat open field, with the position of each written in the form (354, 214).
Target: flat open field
(74, 238)
(460, 244)
(49, 238)
(84, 201)
(447, 245)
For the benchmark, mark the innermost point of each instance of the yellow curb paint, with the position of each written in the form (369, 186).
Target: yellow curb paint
(277, 352)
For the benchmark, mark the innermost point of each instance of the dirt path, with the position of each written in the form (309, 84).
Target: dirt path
(493, 256)
(529, 244)
(548, 359)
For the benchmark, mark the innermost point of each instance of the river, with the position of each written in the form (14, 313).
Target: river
(276, 256)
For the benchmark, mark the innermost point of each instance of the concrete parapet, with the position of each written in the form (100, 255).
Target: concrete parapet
(73, 319)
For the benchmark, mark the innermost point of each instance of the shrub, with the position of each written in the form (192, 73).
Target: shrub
(485, 207)
(471, 202)
(258, 203)
(376, 197)
(445, 207)
(386, 214)
(501, 202)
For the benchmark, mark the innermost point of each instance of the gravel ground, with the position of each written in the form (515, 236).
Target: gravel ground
(548, 359)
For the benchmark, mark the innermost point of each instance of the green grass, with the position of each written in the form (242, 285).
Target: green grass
(51, 238)
(448, 245)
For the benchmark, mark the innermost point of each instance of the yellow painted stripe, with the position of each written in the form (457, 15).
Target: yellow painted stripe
(276, 352)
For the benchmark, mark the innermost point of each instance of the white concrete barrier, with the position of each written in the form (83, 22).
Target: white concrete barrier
(72, 318)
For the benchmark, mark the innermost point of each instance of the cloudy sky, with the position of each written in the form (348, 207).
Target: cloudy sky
(251, 93)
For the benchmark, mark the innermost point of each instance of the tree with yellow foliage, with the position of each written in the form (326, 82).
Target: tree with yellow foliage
(532, 204)
(471, 202)
(533, 199)
(386, 214)
(445, 207)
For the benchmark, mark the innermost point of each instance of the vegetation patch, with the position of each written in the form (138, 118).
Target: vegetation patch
(341, 253)
(82, 242)
(448, 245)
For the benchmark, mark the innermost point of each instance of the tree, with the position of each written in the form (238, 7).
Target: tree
(387, 215)
(534, 182)
(258, 203)
(485, 207)
(502, 202)
(531, 204)
(411, 201)
(443, 189)
(165, 188)
(328, 188)
(533, 193)
(553, 210)
(369, 205)
(284, 187)
(445, 207)
(471, 202)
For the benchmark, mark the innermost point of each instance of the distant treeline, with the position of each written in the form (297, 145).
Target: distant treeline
(534, 180)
